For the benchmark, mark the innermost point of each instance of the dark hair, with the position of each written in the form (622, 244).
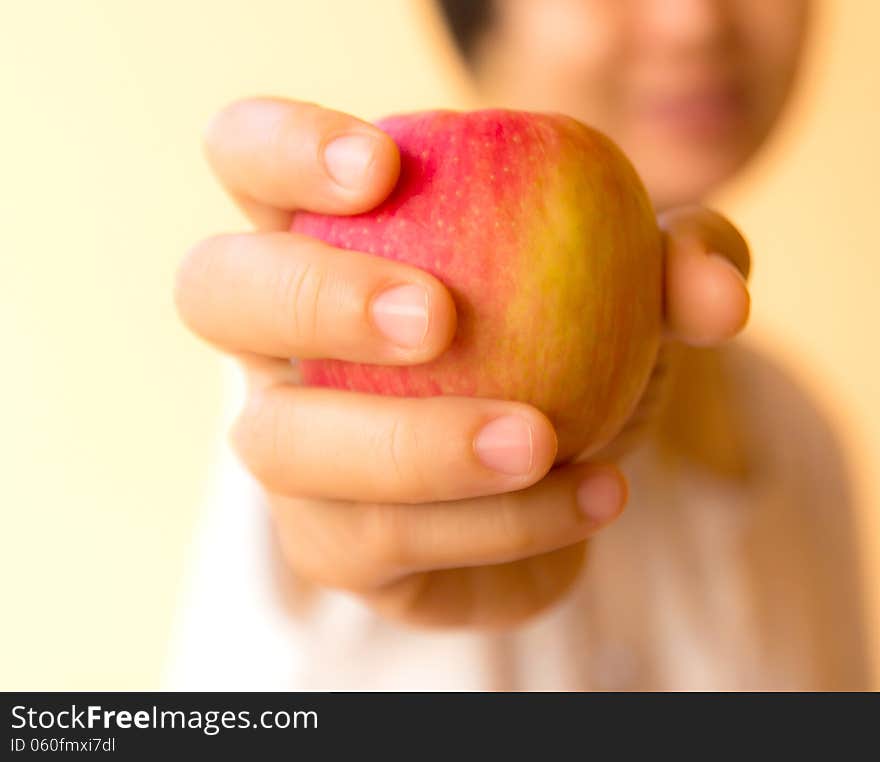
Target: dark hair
(466, 19)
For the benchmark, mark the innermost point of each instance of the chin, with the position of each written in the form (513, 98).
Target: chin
(688, 176)
(683, 163)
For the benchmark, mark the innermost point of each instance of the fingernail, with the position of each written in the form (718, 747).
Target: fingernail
(600, 496)
(729, 265)
(505, 445)
(401, 314)
(348, 157)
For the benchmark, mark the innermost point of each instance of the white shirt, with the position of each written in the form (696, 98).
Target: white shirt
(714, 578)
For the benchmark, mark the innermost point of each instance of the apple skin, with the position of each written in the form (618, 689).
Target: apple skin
(545, 237)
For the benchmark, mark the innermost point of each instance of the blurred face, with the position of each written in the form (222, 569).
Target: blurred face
(688, 88)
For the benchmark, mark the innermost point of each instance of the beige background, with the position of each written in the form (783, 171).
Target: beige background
(110, 411)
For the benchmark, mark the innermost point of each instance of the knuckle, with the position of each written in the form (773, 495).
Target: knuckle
(300, 290)
(515, 537)
(216, 126)
(224, 129)
(697, 220)
(384, 539)
(396, 450)
(311, 547)
(314, 567)
(190, 279)
(726, 228)
(547, 578)
(328, 570)
(288, 541)
(301, 558)
(232, 114)
(294, 117)
(402, 447)
(261, 438)
(292, 137)
(268, 126)
(243, 433)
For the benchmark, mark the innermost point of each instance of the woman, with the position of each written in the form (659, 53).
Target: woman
(428, 544)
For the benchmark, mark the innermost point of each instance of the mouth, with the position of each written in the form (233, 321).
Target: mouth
(703, 112)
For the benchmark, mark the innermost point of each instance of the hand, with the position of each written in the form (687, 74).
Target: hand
(439, 511)
(706, 303)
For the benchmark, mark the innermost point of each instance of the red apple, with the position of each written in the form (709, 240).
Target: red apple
(544, 235)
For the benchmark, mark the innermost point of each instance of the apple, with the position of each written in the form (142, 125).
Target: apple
(545, 237)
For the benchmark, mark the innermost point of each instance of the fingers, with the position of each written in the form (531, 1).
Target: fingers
(286, 295)
(342, 445)
(486, 597)
(707, 263)
(366, 546)
(275, 156)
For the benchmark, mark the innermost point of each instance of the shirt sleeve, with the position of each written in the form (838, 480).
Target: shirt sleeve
(231, 631)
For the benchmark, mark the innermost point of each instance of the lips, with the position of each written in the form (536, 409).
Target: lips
(705, 111)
